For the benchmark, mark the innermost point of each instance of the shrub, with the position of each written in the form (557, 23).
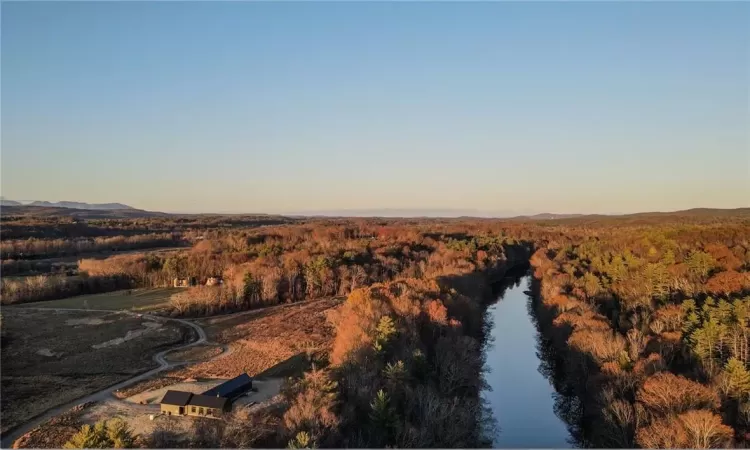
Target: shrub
(111, 434)
(666, 393)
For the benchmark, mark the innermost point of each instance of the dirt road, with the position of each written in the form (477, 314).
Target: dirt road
(13, 434)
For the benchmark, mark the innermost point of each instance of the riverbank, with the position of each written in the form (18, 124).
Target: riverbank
(407, 359)
(519, 396)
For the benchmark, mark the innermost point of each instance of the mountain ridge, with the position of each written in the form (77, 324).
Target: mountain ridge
(79, 205)
(82, 209)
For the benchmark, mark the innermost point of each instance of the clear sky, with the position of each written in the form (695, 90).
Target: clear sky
(286, 107)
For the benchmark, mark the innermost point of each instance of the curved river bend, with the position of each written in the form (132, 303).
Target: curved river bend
(521, 398)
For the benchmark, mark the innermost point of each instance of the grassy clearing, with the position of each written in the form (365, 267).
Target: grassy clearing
(137, 300)
(52, 357)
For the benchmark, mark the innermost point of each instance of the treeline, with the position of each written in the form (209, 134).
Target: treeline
(48, 248)
(9, 267)
(650, 327)
(41, 287)
(77, 225)
(289, 264)
(325, 267)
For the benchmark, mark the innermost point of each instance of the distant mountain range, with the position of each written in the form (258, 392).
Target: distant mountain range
(407, 213)
(119, 210)
(549, 216)
(66, 204)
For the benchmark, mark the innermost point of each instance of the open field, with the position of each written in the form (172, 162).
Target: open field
(52, 357)
(261, 339)
(132, 300)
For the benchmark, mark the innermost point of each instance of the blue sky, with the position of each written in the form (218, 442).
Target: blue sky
(288, 107)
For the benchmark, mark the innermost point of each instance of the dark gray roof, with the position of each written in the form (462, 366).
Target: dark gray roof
(230, 387)
(178, 398)
(208, 402)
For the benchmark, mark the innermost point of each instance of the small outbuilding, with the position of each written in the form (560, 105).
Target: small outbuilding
(183, 282)
(232, 388)
(214, 281)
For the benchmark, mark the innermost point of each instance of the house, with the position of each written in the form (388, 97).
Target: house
(213, 281)
(183, 282)
(211, 403)
(180, 403)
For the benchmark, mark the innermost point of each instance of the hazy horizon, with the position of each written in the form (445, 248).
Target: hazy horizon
(395, 212)
(288, 107)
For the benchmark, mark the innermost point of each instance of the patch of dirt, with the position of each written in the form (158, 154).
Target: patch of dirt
(145, 385)
(46, 352)
(55, 432)
(137, 417)
(87, 321)
(131, 334)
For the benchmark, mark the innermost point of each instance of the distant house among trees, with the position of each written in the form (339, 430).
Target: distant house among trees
(213, 281)
(183, 282)
(191, 281)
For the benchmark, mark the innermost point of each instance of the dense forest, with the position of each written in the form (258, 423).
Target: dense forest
(651, 329)
(645, 317)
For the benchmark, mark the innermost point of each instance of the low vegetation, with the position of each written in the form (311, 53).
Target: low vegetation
(110, 434)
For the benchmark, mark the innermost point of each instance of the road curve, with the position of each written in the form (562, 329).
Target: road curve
(9, 438)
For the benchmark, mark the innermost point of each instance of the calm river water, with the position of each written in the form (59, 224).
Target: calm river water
(521, 398)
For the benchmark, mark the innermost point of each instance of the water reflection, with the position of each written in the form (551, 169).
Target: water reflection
(519, 372)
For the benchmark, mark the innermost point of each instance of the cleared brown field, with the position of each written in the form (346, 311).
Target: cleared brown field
(52, 357)
(266, 342)
(261, 339)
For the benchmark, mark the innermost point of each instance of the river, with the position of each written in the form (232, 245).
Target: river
(520, 397)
